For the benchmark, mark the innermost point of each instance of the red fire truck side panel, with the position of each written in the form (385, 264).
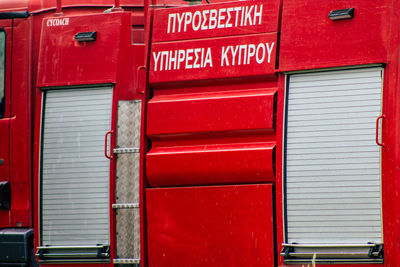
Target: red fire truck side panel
(108, 59)
(41, 5)
(211, 164)
(309, 39)
(175, 114)
(20, 126)
(213, 58)
(211, 226)
(5, 217)
(90, 62)
(207, 21)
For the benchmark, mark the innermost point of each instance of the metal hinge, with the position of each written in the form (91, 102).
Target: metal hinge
(124, 150)
(125, 206)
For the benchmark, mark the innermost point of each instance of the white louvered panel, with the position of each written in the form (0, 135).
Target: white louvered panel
(333, 185)
(75, 173)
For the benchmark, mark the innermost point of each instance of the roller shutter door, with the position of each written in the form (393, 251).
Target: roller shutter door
(75, 172)
(332, 163)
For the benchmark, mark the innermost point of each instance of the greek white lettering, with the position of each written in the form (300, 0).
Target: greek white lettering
(258, 58)
(257, 14)
(180, 20)
(204, 25)
(188, 20)
(221, 18)
(156, 58)
(171, 16)
(198, 15)
(269, 48)
(213, 19)
(224, 56)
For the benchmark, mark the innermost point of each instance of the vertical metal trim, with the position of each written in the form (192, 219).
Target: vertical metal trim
(40, 184)
(381, 150)
(284, 139)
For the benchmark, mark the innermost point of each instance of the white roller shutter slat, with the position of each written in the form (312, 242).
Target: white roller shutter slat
(75, 173)
(332, 163)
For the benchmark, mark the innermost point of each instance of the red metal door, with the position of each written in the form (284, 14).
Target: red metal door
(5, 114)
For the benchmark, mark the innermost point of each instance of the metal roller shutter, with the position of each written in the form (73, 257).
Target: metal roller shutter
(332, 163)
(75, 172)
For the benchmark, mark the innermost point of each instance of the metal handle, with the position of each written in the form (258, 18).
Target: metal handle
(106, 145)
(377, 131)
(138, 79)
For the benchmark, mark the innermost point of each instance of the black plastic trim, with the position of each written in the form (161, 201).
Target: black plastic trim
(14, 15)
(5, 196)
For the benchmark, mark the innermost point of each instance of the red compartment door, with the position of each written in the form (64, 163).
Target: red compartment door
(210, 226)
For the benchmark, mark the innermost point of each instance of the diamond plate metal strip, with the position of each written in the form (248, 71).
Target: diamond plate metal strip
(129, 115)
(127, 181)
(128, 233)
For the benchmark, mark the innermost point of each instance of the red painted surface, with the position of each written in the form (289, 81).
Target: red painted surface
(206, 126)
(210, 226)
(211, 164)
(79, 62)
(5, 218)
(175, 114)
(215, 20)
(15, 129)
(222, 58)
(309, 39)
(63, 62)
(36, 6)
(20, 126)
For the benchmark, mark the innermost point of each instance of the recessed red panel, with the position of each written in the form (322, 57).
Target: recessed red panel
(212, 20)
(217, 58)
(66, 61)
(309, 39)
(210, 226)
(221, 111)
(211, 164)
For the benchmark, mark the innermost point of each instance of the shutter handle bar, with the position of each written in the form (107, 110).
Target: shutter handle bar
(138, 79)
(377, 131)
(106, 145)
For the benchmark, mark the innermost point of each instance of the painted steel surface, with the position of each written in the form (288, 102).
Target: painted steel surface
(185, 48)
(310, 40)
(5, 121)
(81, 60)
(305, 39)
(123, 58)
(213, 226)
(228, 57)
(216, 20)
(211, 123)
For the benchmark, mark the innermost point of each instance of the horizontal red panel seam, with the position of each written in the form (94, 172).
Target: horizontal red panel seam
(217, 94)
(213, 38)
(208, 97)
(209, 149)
(216, 37)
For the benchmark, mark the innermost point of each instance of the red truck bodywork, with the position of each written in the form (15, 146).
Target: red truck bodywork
(212, 154)
(215, 130)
